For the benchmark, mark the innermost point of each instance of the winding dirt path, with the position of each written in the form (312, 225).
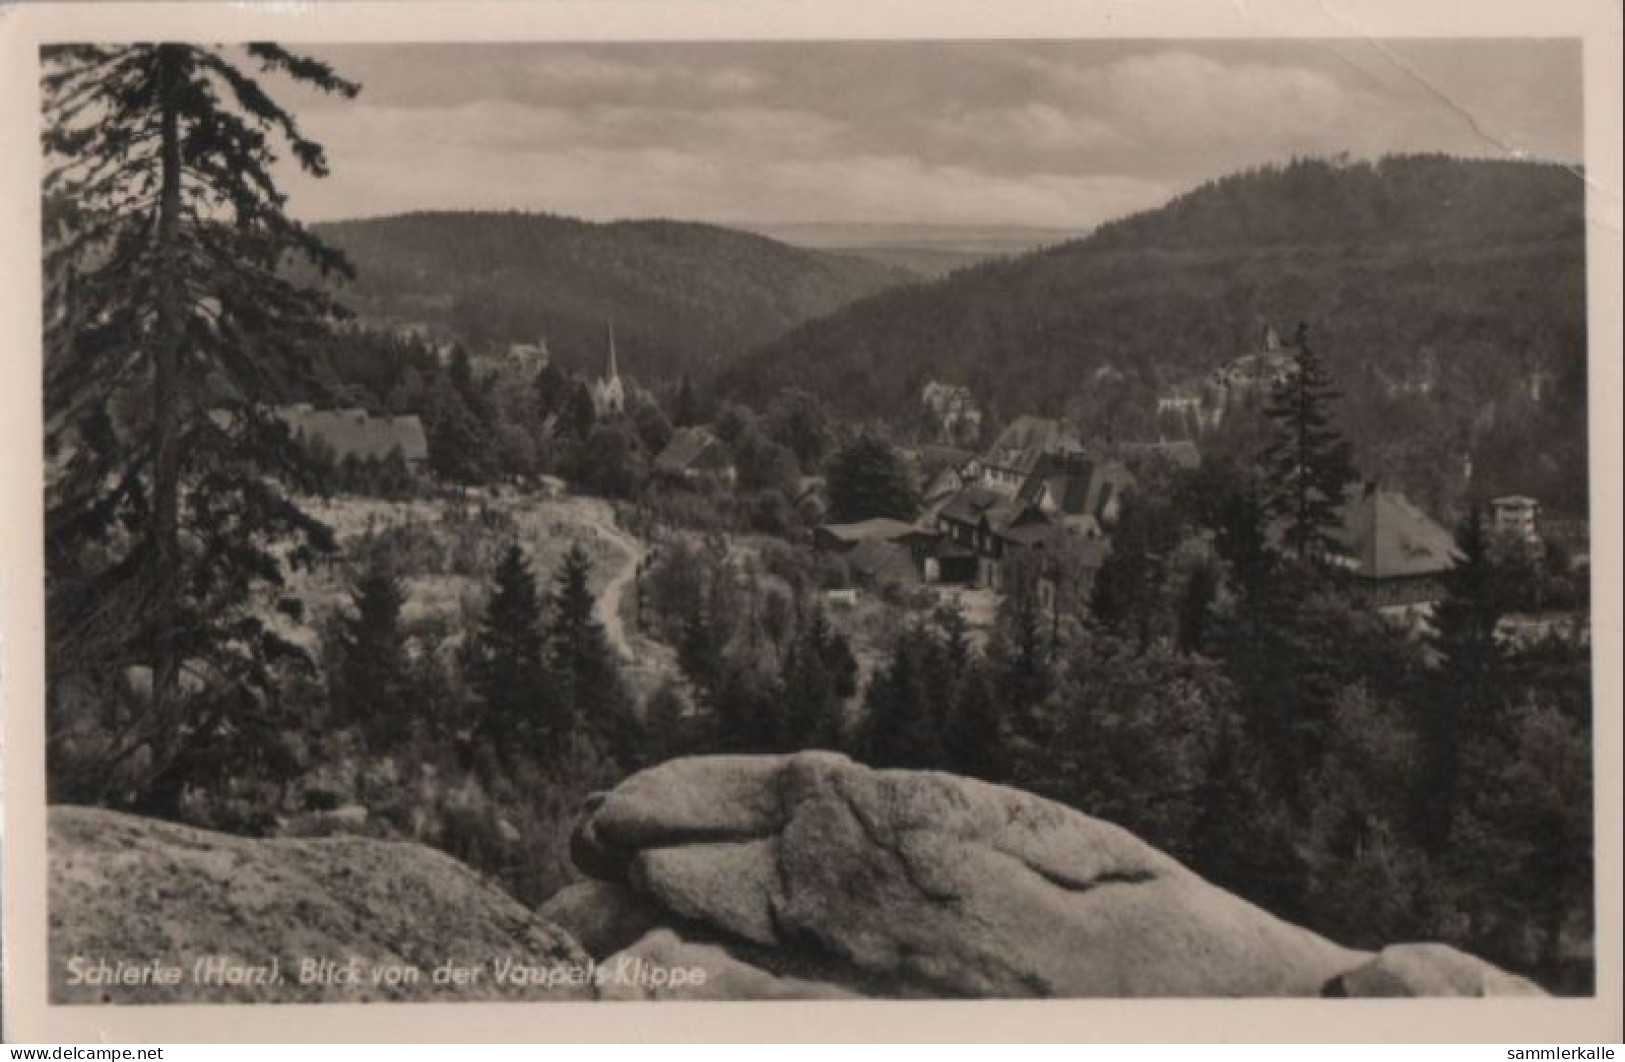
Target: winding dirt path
(608, 605)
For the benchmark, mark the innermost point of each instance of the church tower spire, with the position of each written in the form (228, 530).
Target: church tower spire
(609, 394)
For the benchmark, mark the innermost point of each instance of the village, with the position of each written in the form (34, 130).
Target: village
(1039, 494)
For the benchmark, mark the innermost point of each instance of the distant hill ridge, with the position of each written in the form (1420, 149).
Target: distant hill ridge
(1478, 266)
(683, 296)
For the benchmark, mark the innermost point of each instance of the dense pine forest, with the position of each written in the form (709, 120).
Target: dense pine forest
(1472, 269)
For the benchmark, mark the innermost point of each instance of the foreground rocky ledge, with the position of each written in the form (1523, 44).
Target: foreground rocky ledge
(738, 877)
(136, 904)
(809, 875)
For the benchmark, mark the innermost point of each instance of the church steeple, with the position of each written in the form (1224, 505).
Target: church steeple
(608, 393)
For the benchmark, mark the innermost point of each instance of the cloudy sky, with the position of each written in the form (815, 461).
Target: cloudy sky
(1053, 134)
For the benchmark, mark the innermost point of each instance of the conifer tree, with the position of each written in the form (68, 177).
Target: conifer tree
(973, 739)
(1468, 685)
(1195, 611)
(583, 662)
(508, 669)
(1126, 596)
(1307, 463)
(819, 674)
(373, 688)
(902, 726)
(1019, 655)
(170, 322)
(459, 444)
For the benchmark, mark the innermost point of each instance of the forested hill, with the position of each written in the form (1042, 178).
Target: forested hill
(1473, 267)
(682, 296)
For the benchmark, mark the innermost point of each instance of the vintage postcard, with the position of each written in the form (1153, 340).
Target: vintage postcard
(549, 520)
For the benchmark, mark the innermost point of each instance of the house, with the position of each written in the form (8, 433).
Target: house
(1261, 370)
(528, 359)
(1185, 411)
(982, 529)
(1039, 488)
(1516, 519)
(696, 455)
(1082, 492)
(608, 392)
(1394, 550)
(1010, 461)
(985, 523)
(354, 434)
(953, 410)
(1200, 404)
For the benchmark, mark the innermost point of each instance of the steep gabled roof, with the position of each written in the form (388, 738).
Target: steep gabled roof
(1077, 485)
(1027, 439)
(1387, 537)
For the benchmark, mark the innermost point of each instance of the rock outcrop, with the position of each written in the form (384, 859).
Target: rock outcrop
(726, 877)
(1428, 970)
(136, 904)
(809, 875)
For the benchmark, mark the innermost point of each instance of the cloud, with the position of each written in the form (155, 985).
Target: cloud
(1045, 133)
(725, 170)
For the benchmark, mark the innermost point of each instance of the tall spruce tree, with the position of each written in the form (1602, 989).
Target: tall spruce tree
(818, 674)
(903, 722)
(582, 661)
(1307, 462)
(1468, 685)
(973, 738)
(373, 690)
(171, 321)
(507, 667)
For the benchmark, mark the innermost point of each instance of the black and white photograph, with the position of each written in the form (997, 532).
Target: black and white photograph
(835, 519)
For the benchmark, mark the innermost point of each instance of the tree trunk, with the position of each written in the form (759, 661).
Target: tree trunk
(165, 523)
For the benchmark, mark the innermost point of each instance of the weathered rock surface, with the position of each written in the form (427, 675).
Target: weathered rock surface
(826, 877)
(602, 917)
(138, 891)
(1428, 970)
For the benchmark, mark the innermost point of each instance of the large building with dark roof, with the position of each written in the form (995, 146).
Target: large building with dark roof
(355, 434)
(1393, 551)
